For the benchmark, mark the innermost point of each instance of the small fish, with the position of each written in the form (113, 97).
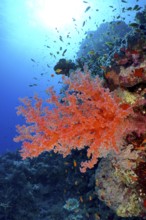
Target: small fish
(57, 30)
(47, 46)
(97, 9)
(137, 8)
(64, 52)
(110, 44)
(87, 9)
(118, 17)
(129, 8)
(134, 25)
(52, 75)
(48, 66)
(97, 216)
(81, 199)
(75, 163)
(66, 163)
(60, 48)
(73, 19)
(85, 2)
(123, 9)
(31, 85)
(58, 70)
(91, 52)
(123, 1)
(111, 6)
(60, 38)
(76, 183)
(90, 198)
(138, 31)
(33, 60)
(83, 24)
(119, 22)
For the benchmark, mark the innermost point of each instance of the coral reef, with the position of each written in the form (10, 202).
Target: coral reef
(104, 119)
(120, 178)
(119, 191)
(39, 188)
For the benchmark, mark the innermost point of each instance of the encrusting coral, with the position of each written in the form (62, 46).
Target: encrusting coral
(88, 116)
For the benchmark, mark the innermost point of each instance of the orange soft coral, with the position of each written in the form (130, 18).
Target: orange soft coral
(88, 115)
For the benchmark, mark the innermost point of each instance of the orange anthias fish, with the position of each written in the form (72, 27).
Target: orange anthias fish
(75, 163)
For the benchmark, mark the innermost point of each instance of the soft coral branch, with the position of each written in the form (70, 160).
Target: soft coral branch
(88, 115)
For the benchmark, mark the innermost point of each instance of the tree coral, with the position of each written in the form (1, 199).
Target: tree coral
(88, 116)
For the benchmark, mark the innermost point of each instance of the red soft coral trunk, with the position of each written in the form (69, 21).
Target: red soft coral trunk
(88, 115)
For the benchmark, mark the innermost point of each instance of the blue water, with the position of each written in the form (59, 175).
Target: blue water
(24, 36)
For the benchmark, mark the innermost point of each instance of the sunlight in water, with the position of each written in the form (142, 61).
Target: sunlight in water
(55, 13)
